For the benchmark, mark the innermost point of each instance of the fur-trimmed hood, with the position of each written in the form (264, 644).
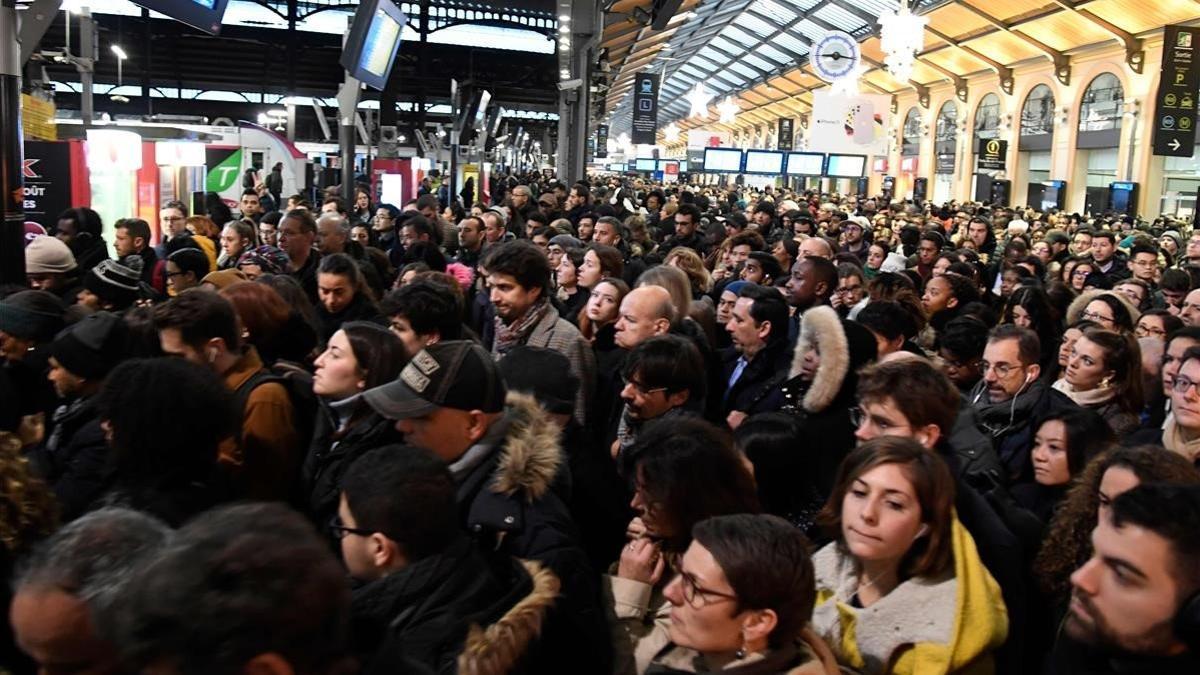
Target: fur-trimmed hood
(822, 327)
(1080, 303)
(498, 648)
(844, 346)
(532, 454)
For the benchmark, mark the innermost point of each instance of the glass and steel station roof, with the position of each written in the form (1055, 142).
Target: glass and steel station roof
(757, 50)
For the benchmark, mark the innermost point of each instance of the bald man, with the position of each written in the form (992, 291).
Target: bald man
(816, 247)
(645, 312)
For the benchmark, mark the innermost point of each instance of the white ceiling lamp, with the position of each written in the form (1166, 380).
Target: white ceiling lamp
(671, 132)
(902, 35)
(728, 110)
(699, 98)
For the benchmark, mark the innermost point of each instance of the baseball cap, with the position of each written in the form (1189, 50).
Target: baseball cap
(455, 374)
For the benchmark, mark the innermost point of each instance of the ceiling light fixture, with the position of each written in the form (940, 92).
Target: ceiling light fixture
(728, 110)
(699, 98)
(901, 35)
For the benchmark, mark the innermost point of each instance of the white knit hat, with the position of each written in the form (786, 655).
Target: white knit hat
(48, 255)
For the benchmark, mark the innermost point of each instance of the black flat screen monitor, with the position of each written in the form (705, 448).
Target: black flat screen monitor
(846, 166)
(722, 160)
(373, 41)
(643, 164)
(202, 15)
(806, 164)
(768, 162)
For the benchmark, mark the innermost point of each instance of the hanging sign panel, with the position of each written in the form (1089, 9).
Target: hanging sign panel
(645, 108)
(786, 133)
(1175, 105)
(992, 154)
(602, 141)
(849, 124)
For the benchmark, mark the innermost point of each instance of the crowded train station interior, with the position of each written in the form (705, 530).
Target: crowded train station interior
(633, 337)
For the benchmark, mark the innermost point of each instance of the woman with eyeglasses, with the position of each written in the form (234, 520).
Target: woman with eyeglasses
(741, 600)
(898, 547)
(1079, 274)
(681, 471)
(1180, 433)
(1105, 373)
(1156, 323)
(1109, 310)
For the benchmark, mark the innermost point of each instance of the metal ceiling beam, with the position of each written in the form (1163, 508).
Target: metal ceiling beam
(1135, 54)
(1005, 73)
(1062, 65)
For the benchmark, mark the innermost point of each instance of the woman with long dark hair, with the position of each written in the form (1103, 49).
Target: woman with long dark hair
(344, 295)
(1105, 373)
(359, 356)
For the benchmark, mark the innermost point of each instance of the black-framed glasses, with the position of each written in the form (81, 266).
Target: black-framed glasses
(340, 531)
(1182, 384)
(692, 588)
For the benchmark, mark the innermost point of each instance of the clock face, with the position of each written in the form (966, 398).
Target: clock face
(834, 55)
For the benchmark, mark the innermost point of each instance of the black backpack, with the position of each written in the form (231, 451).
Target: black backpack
(299, 385)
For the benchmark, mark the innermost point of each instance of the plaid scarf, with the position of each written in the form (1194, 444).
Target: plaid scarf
(511, 335)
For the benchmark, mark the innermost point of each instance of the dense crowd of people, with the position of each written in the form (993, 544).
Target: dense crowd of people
(607, 427)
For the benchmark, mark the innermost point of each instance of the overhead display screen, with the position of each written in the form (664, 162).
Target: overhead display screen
(722, 160)
(373, 41)
(846, 166)
(806, 164)
(682, 165)
(662, 163)
(646, 165)
(205, 15)
(764, 161)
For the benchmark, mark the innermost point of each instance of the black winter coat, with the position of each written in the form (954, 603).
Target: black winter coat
(74, 459)
(360, 309)
(330, 454)
(756, 390)
(511, 504)
(417, 620)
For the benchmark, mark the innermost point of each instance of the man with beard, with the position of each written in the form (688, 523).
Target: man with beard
(1135, 605)
(519, 278)
(1011, 400)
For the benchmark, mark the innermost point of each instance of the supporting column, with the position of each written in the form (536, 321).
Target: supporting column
(574, 94)
(12, 204)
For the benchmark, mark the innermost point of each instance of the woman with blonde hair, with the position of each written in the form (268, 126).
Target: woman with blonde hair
(693, 266)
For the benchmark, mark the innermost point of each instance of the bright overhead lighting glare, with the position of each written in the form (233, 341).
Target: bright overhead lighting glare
(277, 113)
(116, 49)
(564, 18)
(564, 29)
(566, 74)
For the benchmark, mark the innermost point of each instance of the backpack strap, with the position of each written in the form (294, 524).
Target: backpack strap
(242, 394)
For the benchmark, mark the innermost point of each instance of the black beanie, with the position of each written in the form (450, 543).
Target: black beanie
(115, 283)
(543, 373)
(32, 315)
(93, 346)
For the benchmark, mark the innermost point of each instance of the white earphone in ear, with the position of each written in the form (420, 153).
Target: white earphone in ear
(921, 532)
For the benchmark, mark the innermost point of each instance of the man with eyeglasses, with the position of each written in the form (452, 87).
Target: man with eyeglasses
(663, 377)
(1143, 262)
(1011, 399)
(422, 583)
